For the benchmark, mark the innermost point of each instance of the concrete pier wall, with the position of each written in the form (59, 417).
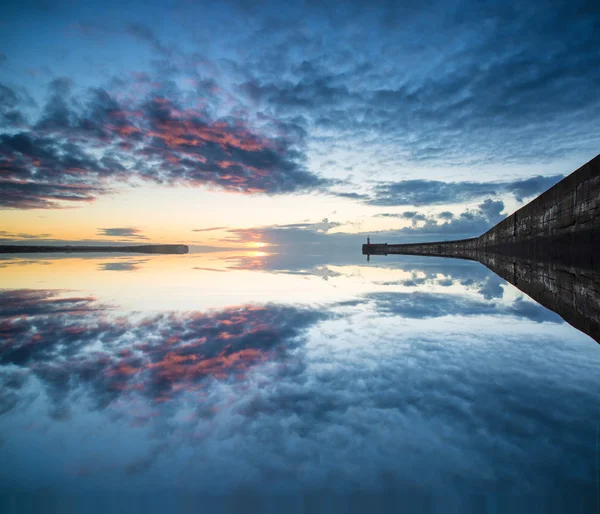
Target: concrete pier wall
(569, 207)
(562, 224)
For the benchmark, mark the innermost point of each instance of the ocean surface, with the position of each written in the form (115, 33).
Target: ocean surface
(260, 382)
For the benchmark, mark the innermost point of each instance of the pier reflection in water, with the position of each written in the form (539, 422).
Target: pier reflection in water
(291, 383)
(571, 292)
(563, 286)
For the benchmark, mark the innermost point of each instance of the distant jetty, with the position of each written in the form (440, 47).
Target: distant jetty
(170, 249)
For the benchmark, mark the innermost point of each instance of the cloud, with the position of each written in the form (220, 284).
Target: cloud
(21, 235)
(32, 195)
(285, 96)
(496, 92)
(82, 146)
(433, 192)
(10, 105)
(147, 35)
(122, 232)
(407, 215)
(208, 229)
(413, 216)
(302, 237)
(285, 93)
(492, 209)
(469, 223)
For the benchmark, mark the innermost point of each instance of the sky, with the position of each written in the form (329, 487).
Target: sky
(250, 124)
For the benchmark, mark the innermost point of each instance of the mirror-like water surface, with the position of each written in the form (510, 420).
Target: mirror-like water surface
(277, 383)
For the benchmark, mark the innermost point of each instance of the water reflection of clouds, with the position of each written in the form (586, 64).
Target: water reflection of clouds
(6, 261)
(283, 398)
(73, 342)
(122, 265)
(150, 283)
(421, 305)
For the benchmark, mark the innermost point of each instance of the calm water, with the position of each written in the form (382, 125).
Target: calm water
(285, 383)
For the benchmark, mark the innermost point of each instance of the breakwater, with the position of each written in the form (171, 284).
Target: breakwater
(163, 249)
(560, 225)
(549, 249)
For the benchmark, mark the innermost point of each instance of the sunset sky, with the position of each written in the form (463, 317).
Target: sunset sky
(250, 124)
(273, 367)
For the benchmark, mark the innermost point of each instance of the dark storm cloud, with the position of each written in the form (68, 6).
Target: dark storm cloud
(80, 145)
(52, 336)
(122, 232)
(433, 192)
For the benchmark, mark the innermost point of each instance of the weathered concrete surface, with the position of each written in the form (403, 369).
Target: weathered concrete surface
(573, 293)
(567, 209)
(561, 224)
